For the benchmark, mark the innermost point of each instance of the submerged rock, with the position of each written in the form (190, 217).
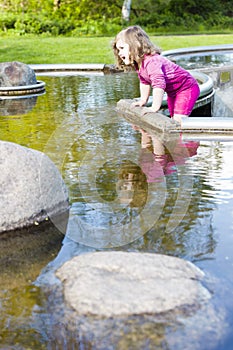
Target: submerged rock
(117, 283)
(31, 190)
(118, 300)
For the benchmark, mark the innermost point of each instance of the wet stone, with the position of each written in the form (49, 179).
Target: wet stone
(111, 284)
(127, 300)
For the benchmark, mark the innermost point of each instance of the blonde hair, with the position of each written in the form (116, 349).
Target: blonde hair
(139, 45)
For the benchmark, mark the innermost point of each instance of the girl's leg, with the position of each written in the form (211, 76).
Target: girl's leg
(184, 102)
(170, 104)
(178, 117)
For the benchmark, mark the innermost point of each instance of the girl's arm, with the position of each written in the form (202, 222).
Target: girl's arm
(144, 93)
(157, 99)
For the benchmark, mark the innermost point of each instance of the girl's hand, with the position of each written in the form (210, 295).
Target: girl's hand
(138, 103)
(148, 110)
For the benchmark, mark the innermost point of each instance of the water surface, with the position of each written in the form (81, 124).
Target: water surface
(128, 190)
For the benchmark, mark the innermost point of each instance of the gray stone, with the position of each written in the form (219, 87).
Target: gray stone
(31, 188)
(16, 74)
(118, 283)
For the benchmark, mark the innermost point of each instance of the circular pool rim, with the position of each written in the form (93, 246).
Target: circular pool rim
(14, 91)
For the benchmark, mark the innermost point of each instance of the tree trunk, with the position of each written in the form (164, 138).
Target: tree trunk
(56, 5)
(126, 10)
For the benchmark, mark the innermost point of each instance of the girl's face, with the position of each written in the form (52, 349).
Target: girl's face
(123, 51)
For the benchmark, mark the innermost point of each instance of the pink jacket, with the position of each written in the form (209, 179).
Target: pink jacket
(159, 72)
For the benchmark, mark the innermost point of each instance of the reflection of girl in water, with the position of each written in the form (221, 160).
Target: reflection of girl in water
(158, 159)
(132, 185)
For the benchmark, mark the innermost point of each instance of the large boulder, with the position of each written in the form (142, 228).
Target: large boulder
(16, 74)
(31, 188)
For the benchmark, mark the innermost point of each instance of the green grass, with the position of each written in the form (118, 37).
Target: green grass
(35, 49)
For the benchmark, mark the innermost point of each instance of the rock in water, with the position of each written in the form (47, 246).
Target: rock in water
(110, 284)
(32, 188)
(16, 74)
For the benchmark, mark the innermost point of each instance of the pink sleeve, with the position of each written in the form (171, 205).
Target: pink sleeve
(142, 80)
(155, 72)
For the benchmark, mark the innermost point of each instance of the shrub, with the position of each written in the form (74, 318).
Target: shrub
(7, 21)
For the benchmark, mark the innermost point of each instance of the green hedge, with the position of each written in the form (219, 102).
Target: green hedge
(30, 23)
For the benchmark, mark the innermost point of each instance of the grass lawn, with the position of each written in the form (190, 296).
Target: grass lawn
(35, 49)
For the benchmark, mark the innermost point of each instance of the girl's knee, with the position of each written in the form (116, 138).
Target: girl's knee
(178, 117)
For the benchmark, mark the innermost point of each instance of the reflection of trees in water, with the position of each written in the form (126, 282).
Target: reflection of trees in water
(86, 92)
(65, 100)
(194, 237)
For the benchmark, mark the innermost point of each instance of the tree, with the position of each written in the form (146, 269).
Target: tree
(192, 7)
(126, 10)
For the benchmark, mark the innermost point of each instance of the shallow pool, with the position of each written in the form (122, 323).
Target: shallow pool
(205, 57)
(128, 191)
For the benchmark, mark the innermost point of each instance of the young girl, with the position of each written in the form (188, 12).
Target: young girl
(133, 47)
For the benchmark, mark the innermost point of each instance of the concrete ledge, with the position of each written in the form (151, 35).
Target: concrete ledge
(66, 67)
(198, 49)
(152, 122)
(159, 123)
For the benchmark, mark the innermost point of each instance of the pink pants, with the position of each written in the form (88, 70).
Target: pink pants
(184, 101)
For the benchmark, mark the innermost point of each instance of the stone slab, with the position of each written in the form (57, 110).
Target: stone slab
(119, 283)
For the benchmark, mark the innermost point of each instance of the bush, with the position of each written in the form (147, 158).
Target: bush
(165, 22)
(97, 27)
(40, 24)
(7, 21)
